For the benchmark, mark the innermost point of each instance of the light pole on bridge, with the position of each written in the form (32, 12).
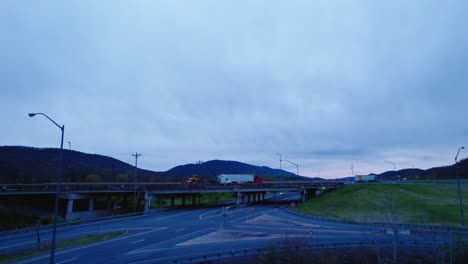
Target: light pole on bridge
(280, 160)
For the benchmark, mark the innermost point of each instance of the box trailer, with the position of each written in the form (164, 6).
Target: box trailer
(239, 178)
(364, 178)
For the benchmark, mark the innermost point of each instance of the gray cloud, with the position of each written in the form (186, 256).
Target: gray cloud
(323, 83)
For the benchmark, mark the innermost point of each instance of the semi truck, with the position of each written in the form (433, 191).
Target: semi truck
(364, 178)
(239, 178)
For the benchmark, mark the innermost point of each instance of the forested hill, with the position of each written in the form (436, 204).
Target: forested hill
(39, 165)
(36, 165)
(436, 173)
(211, 169)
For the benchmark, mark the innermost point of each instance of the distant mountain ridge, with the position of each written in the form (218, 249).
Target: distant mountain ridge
(436, 173)
(20, 164)
(211, 169)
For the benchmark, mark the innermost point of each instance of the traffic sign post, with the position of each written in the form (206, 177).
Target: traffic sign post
(311, 234)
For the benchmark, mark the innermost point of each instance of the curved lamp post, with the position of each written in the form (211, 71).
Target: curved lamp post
(280, 160)
(300, 191)
(460, 202)
(57, 194)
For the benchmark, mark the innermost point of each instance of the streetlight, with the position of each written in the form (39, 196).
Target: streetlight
(280, 160)
(394, 169)
(57, 193)
(69, 145)
(458, 186)
(297, 166)
(300, 191)
(135, 199)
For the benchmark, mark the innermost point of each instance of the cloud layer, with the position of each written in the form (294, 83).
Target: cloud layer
(325, 84)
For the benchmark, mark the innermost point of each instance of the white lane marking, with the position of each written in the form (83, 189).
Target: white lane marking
(79, 233)
(143, 249)
(201, 216)
(141, 240)
(92, 245)
(24, 243)
(182, 229)
(68, 260)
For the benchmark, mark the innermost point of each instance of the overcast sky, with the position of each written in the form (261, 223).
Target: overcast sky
(325, 83)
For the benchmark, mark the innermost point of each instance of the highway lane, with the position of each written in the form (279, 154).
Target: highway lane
(166, 243)
(133, 224)
(201, 231)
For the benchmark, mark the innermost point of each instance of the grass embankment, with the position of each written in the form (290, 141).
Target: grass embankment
(409, 204)
(45, 247)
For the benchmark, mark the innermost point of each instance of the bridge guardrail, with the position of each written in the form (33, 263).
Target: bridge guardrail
(129, 186)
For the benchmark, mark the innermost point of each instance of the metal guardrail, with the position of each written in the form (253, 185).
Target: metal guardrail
(129, 186)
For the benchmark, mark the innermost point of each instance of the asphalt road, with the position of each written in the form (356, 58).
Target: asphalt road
(169, 235)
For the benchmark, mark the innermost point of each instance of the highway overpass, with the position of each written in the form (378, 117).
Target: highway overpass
(72, 194)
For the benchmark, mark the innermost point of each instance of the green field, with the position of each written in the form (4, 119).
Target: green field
(402, 203)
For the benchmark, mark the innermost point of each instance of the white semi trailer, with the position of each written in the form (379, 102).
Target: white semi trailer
(364, 178)
(239, 178)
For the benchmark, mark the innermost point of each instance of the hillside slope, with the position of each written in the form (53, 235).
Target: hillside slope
(413, 203)
(36, 165)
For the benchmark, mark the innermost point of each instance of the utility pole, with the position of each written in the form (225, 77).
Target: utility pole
(69, 145)
(135, 200)
(460, 200)
(352, 169)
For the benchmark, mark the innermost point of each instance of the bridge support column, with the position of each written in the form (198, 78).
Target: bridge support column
(239, 198)
(91, 204)
(263, 196)
(172, 201)
(303, 195)
(70, 206)
(160, 202)
(183, 200)
(109, 202)
(125, 202)
(147, 201)
(312, 193)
